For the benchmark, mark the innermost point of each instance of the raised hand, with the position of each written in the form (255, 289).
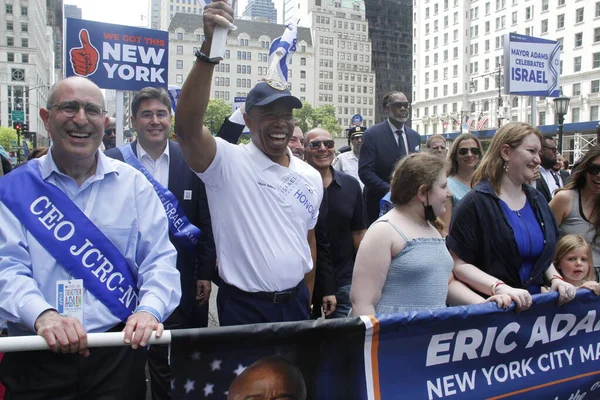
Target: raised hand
(84, 59)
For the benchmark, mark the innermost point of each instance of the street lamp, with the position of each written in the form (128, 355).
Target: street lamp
(561, 105)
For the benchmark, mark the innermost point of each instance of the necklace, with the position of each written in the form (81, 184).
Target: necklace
(424, 225)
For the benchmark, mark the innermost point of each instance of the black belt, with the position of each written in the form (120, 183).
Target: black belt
(275, 297)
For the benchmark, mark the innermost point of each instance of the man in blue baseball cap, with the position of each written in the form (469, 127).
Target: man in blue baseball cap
(264, 201)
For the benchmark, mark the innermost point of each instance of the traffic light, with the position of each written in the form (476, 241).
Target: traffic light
(25, 128)
(17, 127)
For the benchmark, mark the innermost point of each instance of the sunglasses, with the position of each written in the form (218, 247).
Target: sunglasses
(316, 144)
(403, 104)
(593, 169)
(109, 132)
(476, 151)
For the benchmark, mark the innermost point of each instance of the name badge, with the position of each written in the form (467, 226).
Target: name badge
(187, 194)
(69, 298)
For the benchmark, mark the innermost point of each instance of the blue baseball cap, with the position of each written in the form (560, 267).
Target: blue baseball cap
(266, 92)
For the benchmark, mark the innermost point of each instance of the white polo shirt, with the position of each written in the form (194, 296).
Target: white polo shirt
(261, 213)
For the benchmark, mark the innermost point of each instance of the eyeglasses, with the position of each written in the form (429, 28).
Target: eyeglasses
(148, 115)
(593, 169)
(316, 144)
(553, 149)
(70, 108)
(403, 104)
(109, 132)
(476, 151)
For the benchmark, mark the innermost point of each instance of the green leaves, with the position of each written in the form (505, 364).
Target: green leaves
(309, 117)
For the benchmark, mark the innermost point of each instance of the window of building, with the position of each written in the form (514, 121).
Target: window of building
(25, 58)
(545, 5)
(596, 35)
(179, 50)
(179, 35)
(542, 118)
(578, 39)
(24, 42)
(9, 26)
(596, 60)
(544, 26)
(577, 64)
(10, 41)
(24, 10)
(593, 113)
(579, 15)
(595, 86)
(576, 89)
(179, 64)
(515, 102)
(515, 17)
(575, 113)
(302, 61)
(18, 74)
(10, 57)
(597, 13)
(528, 13)
(179, 78)
(560, 21)
(9, 8)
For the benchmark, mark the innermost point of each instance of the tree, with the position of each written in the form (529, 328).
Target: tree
(7, 136)
(309, 117)
(216, 112)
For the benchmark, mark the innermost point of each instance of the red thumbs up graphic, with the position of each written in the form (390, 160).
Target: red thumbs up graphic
(84, 59)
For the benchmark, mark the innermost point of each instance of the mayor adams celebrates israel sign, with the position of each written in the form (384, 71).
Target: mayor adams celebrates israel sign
(532, 66)
(116, 56)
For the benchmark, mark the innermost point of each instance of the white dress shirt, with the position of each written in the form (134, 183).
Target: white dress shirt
(159, 169)
(550, 181)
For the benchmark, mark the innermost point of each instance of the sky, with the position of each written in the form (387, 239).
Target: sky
(124, 12)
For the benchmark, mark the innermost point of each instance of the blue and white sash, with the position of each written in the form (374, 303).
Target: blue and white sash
(183, 231)
(71, 238)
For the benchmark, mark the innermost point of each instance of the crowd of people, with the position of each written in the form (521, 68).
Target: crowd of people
(101, 238)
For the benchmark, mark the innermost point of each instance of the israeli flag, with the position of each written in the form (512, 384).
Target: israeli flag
(174, 96)
(281, 51)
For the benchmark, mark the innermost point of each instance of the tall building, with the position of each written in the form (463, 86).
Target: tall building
(261, 10)
(459, 46)
(27, 62)
(55, 18)
(163, 11)
(340, 34)
(72, 11)
(246, 58)
(391, 32)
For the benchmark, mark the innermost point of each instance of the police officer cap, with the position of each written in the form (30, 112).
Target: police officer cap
(356, 130)
(267, 92)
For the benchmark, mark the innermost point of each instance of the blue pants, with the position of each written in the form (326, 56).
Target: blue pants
(238, 308)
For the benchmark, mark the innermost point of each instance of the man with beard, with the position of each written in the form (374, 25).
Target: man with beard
(549, 180)
(348, 162)
(383, 145)
(296, 143)
(264, 202)
(110, 134)
(346, 219)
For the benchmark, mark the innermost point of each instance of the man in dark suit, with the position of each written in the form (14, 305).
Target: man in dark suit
(549, 181)
(383, 145)
(163, 159)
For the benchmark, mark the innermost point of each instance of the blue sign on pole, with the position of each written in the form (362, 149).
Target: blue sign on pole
(531, 65)
(116, 56)
(357, 120)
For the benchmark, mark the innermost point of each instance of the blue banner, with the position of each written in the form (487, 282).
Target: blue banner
(472, 352)
(116, 56)
(71, 238)
(181, 228)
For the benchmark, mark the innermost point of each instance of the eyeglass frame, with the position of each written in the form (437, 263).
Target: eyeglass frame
(316, 144)
(476, 151)
(148, 117)
(63, 111)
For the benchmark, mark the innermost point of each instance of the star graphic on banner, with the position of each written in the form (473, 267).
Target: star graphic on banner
(208, 389)
(189, 386)
(215, 365)
(196, 355)
(239, 369)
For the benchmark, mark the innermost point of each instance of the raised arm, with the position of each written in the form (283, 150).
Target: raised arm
(198, 145)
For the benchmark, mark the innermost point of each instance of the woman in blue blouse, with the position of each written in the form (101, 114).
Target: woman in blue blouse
(503, 235)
